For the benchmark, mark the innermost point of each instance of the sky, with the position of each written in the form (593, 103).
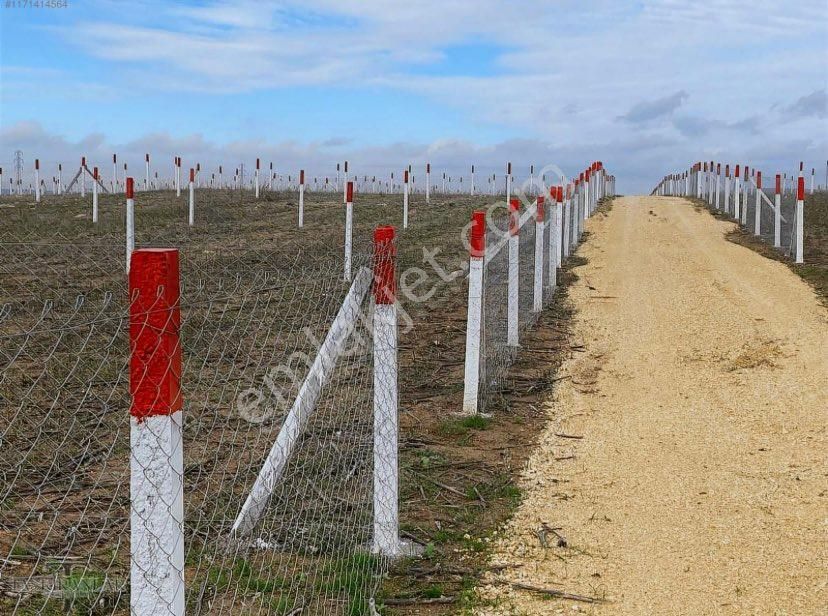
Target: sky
(647, 87)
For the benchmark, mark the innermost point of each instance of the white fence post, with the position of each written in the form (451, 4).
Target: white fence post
(95, 195)
(471, 189)
(757, 215)
(177, 176)
(509, 183)
(718, 178)
(554, 232)
(147, 171)
(302, 197)
(386, 429)
(156, 453)
(256, 177)
(428, 183)
(537, 297)
(405, 199)
(115, 173)
(349, 217)
(559, 222)
(727, 190)
(345, 181)
(737, 191)
(129, 189)
(777, 213)
(192, 197)
(474, 318)
(513, 306)
(746, 186)
(799, 220)
(37, 180)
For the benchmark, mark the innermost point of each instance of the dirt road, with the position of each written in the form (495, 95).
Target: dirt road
(685, 460)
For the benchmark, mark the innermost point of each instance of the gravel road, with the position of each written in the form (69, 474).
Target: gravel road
(684, 463)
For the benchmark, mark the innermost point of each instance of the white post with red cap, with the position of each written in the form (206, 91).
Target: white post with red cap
(554, 234)
(737, 191)
(256, 178)
(405, 199)
(727, 190)
(813, 175)
(474, 316)
(799, 220)
(302, 198)
(744, 198)
(386, 540)
(191, 186)
(777, 213)
(177, 176)
(513, 306)
(147, 172)
(757, 214)
(115, 172)
(559, 230)
(471, 189)
(156, 444)
(95, 195)
(129, 189)
(37, 180)
(567, 222)
(540, 225)
(718, 179)
(349, 217)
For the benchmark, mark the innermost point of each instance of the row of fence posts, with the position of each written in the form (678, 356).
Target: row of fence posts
(729, 195)
(274, 181)
(155, 368)
(556, 235)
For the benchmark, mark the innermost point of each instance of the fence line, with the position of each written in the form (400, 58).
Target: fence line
(217, 432)
(743, 197)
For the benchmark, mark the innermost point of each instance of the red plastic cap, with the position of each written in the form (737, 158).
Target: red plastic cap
(37, 163)
(95, 173)
(349, 191)
(258, 164)
(778, 184)
(477, 234)
(736, 174)
(758, 179)
(747, 171)
(385, 253)
(705, 166)
(514, 215)
(405, 176)
(559, 196)
(800, 189)
(539, 210)
(718, 168)
(130, 188)
(302, 176)
(83, 161)
(727, 170)
(428, 167)
(192, 175)
(581, 176)
(154, 325)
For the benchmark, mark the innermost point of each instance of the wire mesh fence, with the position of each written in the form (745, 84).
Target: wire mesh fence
(258, 300)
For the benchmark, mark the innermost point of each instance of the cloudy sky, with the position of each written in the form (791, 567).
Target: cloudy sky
(646, 86)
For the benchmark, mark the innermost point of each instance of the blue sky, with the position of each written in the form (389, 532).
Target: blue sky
(646, 86)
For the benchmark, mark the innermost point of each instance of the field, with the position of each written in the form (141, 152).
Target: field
(257, 293)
